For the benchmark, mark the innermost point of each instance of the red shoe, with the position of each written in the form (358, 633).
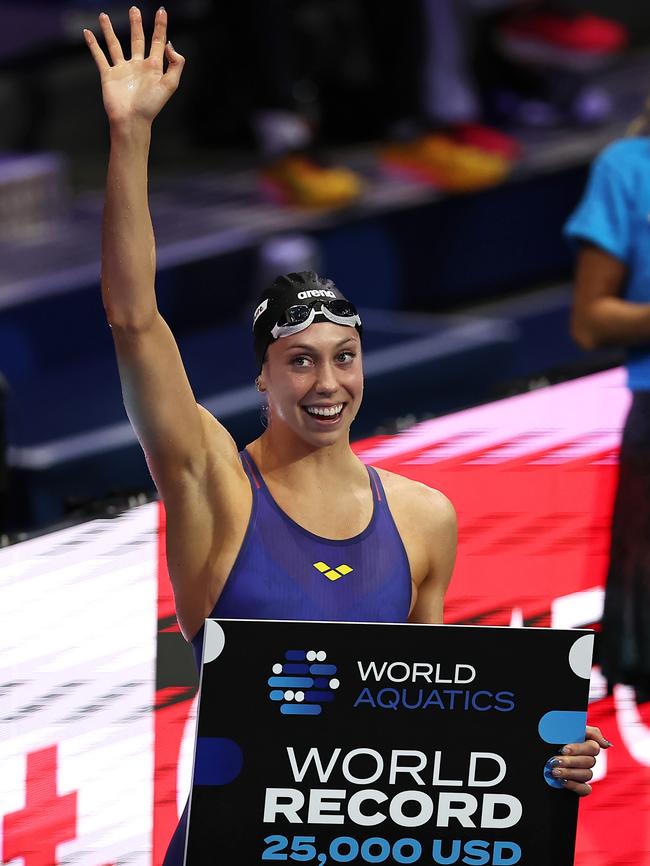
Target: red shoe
(488, 139)
(557, 41)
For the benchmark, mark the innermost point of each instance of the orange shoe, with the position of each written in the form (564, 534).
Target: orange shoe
(438, 160)
(488, 139)
(297, 180)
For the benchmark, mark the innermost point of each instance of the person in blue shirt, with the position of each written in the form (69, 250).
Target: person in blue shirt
(612, 307)
(247, 532)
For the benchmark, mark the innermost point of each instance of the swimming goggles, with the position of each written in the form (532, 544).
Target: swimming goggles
(300, 316)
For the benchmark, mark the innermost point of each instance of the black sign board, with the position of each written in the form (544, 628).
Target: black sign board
(354, 743)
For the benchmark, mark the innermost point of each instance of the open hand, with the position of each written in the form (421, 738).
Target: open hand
(138, 88)
(573, 767)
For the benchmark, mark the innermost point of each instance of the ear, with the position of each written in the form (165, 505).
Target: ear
(260, 385)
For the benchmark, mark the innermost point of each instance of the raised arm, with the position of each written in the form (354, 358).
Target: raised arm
(192, 458)
(157, 394)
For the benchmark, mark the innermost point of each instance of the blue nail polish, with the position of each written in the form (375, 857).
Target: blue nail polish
(549, 778)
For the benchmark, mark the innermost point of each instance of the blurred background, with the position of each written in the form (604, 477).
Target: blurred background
(424, 155)
(424, 159)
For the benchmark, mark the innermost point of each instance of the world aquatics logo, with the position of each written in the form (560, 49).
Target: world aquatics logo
(303, 682)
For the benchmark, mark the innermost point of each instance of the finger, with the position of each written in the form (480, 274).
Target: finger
(112, 42)
(581, 762)
(566, 774)
(589, 747)
(159, 38)
(176, 61)
(137, 34)
(582, 789)
(595, 734)
(98, 55)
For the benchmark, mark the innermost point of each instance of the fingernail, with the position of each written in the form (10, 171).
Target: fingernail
(169, 42)
(557, 773)
(161, 8)
(564, 781)
(608, 745)
(557, 762)
(565, 750)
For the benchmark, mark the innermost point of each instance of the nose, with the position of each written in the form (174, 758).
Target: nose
(326, 382)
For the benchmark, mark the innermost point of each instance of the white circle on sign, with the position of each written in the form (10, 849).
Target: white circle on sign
(277, 669)
(321, 655)
(334, 684)
(311, 656)
(300, 696)
(288, 695)
(214, 640)
(580, 656)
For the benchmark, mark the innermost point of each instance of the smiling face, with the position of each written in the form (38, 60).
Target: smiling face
(314, 382)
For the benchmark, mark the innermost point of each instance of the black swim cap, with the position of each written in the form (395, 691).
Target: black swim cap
(289, 290)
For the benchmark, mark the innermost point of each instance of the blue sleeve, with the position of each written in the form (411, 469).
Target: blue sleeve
(604, 215)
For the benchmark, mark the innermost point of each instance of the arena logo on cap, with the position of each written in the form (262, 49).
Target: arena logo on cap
(316, 293)
(303, 682)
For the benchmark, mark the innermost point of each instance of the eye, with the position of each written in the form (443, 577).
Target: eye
(346, 357)
(300, 361)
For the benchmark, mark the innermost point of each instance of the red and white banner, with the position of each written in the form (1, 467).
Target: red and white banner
(77, 663)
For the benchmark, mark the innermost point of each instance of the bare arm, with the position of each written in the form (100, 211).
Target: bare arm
(192, 458)
(440, 529)
(157, 394)
(600, 316)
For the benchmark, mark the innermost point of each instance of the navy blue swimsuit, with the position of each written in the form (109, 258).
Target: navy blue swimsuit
(283, 571)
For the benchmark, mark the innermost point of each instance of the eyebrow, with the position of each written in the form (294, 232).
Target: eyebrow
(306, 347)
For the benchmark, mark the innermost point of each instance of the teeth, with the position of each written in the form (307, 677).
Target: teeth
(326, 411)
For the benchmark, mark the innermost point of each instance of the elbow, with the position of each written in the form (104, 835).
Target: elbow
(129, 321)
(584, 334)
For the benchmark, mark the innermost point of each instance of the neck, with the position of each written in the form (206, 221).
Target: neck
(279, 450)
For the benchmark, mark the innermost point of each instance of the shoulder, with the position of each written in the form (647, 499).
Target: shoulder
(624, 158)
(424, 507)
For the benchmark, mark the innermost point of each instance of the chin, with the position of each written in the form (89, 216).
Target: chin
(325, 438)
